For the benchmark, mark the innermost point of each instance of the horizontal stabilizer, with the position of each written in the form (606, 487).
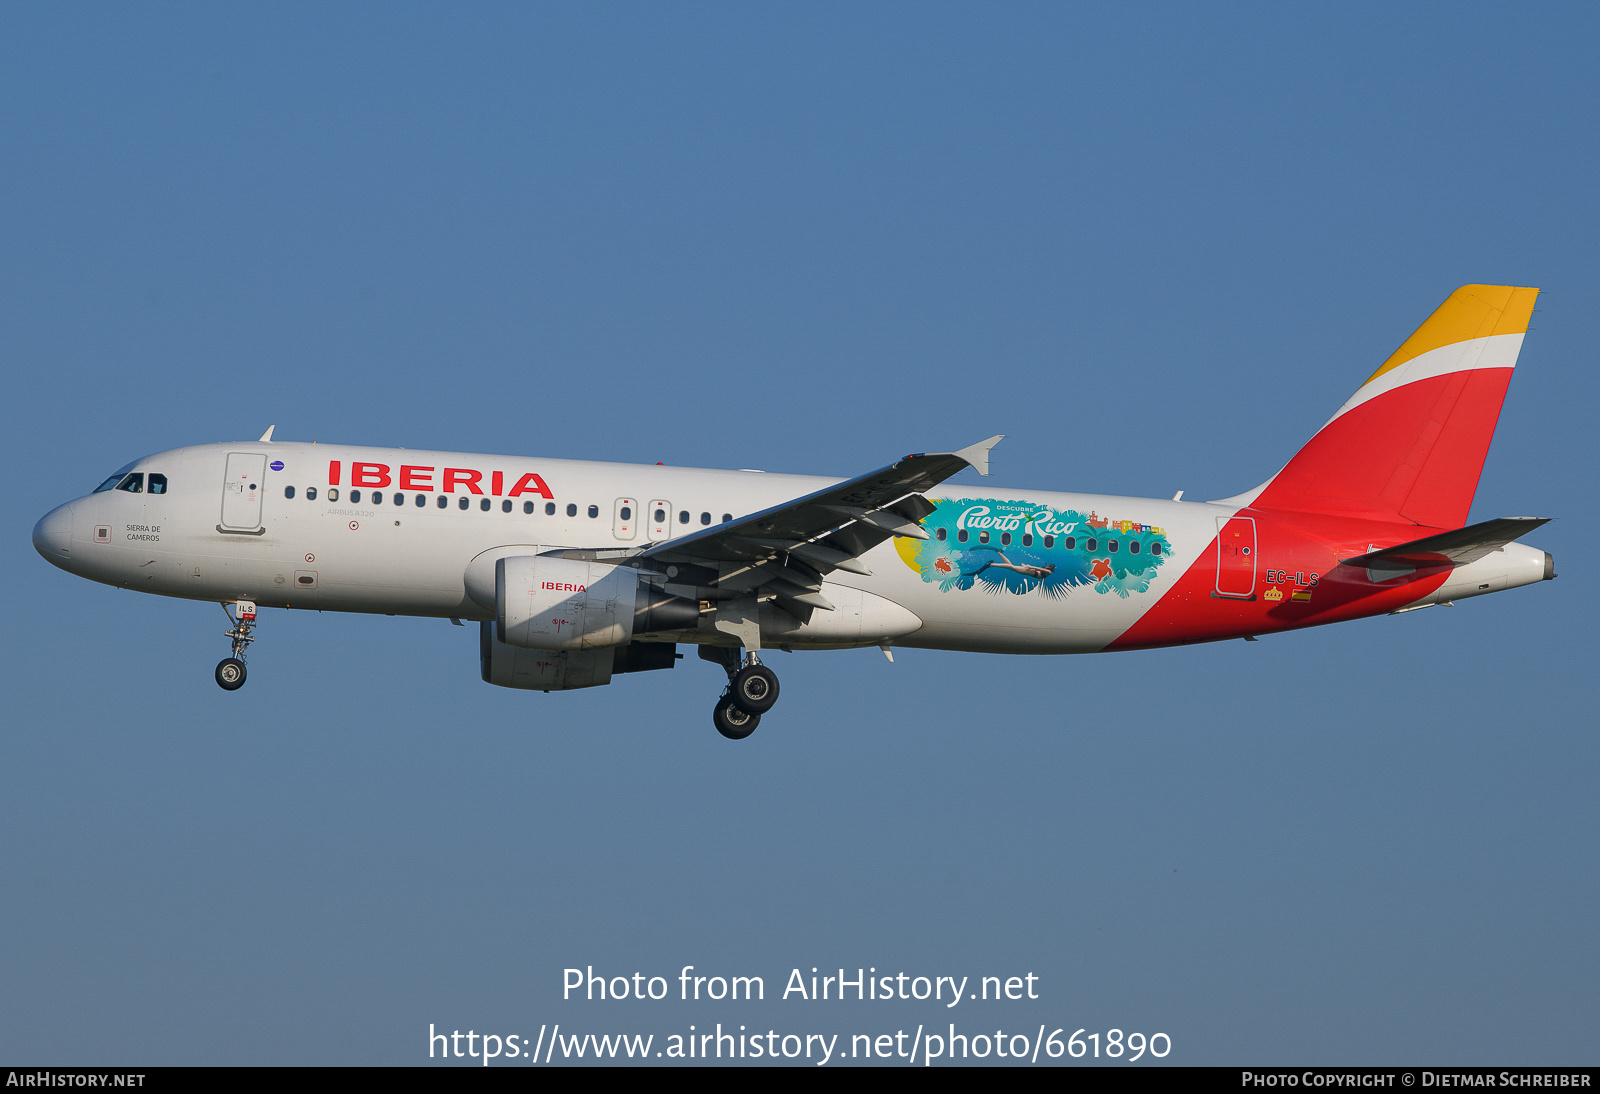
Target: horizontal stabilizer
(1459, 547)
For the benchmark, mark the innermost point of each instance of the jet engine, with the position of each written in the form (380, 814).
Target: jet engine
(544, 670)
(562, 623)
(545, 602)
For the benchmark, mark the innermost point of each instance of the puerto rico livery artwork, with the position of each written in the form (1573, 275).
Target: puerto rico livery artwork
(1015, 547)
(579, 572)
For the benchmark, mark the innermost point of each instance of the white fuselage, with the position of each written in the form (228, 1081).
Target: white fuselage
(404, 554)
(406, 532)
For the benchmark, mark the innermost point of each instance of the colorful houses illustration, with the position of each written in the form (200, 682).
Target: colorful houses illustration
(1126, 527)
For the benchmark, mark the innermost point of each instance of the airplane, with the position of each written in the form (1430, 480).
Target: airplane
(577, 572)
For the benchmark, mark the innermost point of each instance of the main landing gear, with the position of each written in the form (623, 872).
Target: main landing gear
(732, 722)
(752, 690)
(230, 670)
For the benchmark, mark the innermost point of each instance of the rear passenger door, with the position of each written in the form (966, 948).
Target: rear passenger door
(1236, 558)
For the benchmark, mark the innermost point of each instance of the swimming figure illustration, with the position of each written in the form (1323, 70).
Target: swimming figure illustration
(1005, 563)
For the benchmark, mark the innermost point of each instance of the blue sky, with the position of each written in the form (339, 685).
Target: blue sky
(1155, 246)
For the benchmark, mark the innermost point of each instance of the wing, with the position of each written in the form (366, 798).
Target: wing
(785, 551)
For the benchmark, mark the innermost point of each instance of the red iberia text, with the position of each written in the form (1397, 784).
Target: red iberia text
(418, 477)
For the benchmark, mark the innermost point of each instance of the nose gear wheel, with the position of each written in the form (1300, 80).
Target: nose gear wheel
(230, 674)
(230, 670)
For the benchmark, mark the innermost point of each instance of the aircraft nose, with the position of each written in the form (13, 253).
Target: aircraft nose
(52, 536)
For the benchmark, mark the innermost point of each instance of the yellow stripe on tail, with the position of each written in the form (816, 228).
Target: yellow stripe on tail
(1472, 311)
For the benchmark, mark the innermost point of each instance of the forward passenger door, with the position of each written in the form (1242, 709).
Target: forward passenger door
(243, 485)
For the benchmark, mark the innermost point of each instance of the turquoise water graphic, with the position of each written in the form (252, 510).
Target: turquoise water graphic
(1018, 547)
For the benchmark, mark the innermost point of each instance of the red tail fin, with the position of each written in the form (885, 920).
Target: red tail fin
(1410, 444)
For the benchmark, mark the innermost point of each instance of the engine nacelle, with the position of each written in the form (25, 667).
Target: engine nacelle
(544, 670)
(545, 602)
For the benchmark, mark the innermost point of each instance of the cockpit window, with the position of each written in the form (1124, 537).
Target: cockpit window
(111, 483)
(158, 483)
(133, 484)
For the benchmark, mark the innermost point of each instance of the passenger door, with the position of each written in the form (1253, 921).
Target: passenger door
(242, 489)
(1236, 558)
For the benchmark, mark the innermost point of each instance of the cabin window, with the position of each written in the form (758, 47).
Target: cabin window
(705, 518)
(983, 537)
(726, 517)
(1027, 540)
(1070, 543)
(288, 491)
(1090, 545)
(1155, 548)
(942, 534)
(1049, 541)
(422, 499)
(549, 508)
(355, 495)
(527, 507)
(1133, 547)
(627, 512)
(158, 483)
(1112, 545)
(961, 536)
(594, 511)
(683, 517)
(399, 499)
(1005, 539)
(444, 502)
(505, 506)
(133, 484)
(484, 505)
(464, 504)
(572, 510)
(377, 497)
(661, 515)
(311, 493)
(333, 493)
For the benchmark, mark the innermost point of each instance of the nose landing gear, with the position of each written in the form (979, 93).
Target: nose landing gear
(231, 670)
(230, 674)
(752, 690)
